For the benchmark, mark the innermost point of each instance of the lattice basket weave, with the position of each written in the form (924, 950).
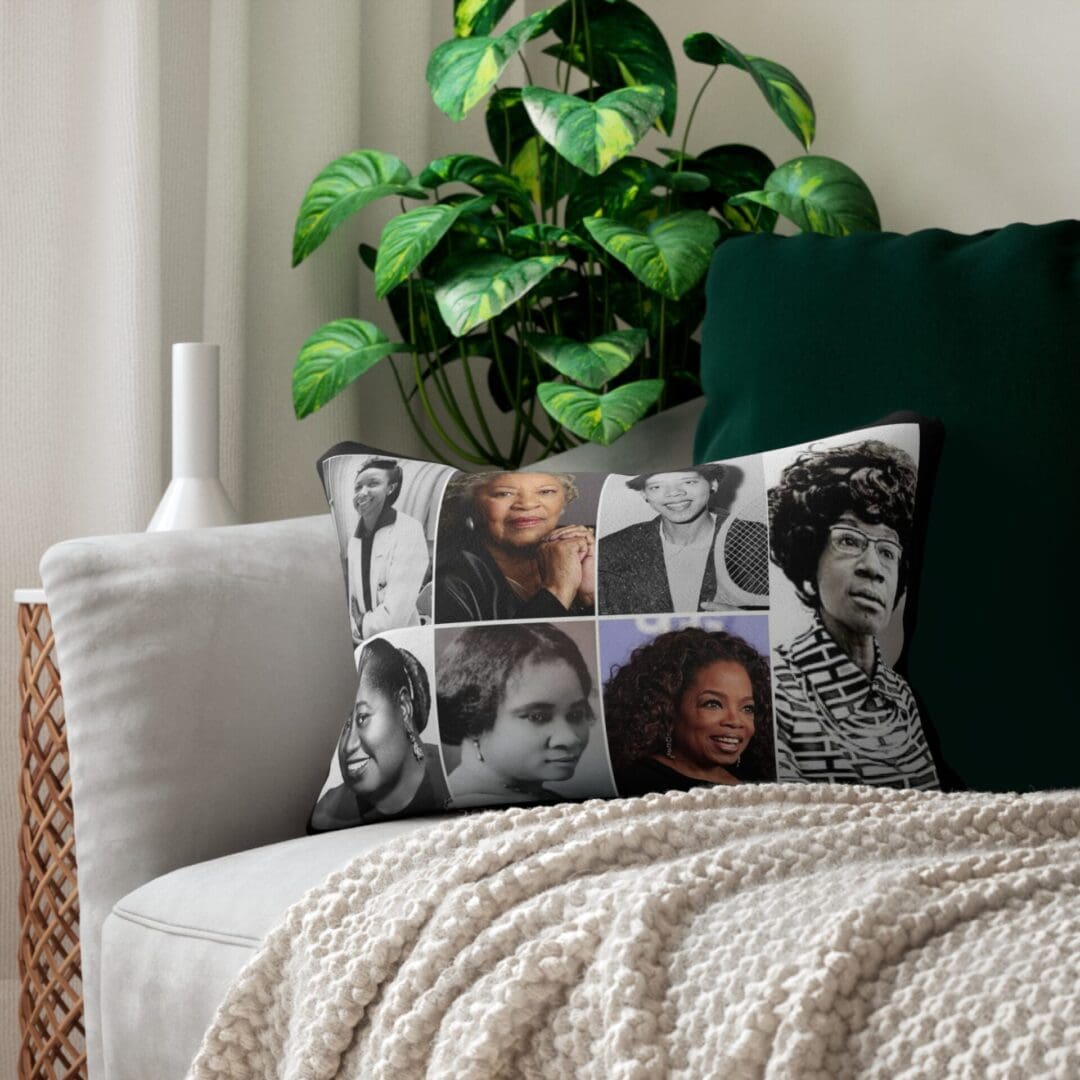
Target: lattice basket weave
(50, 1001)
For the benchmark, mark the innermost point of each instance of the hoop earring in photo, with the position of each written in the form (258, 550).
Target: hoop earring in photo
(469, 523)
(479, 752)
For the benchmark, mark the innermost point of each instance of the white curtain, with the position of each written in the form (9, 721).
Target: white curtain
(153, 154)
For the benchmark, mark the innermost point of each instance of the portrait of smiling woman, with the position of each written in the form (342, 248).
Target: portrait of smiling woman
(503, 554)
(840, 526)
(387, 556)
(386, 770)
(690, 708)
(515, 710)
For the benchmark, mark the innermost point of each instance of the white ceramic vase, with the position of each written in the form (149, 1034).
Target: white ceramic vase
(194, 498)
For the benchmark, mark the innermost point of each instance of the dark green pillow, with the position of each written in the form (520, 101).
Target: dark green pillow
(808, 335)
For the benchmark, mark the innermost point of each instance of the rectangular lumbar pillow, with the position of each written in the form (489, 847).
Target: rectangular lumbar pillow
(805, 335)
(531, 636)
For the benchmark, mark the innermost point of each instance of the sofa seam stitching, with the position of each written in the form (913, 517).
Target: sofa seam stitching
(179, 930)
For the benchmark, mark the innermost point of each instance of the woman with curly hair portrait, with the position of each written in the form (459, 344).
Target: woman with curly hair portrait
(840, 528)
(689, 709)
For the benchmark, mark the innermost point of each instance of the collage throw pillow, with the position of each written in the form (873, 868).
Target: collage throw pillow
(529, 637)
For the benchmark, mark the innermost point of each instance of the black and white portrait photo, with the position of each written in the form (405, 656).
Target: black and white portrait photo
(841, 516)
(516, 545)
(674, 542)
(387, 762)
(385, 509)
(518, 713)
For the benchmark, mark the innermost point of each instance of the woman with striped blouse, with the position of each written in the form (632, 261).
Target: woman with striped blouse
(839, 523)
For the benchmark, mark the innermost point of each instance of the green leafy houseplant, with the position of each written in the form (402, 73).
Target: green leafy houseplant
(565, 272)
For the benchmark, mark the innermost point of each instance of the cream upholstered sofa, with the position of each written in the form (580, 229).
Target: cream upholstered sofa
(205, 676)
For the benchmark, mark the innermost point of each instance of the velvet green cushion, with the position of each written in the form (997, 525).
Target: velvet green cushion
(808, 335)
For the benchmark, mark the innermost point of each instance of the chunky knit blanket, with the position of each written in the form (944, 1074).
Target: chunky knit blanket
(772, 931)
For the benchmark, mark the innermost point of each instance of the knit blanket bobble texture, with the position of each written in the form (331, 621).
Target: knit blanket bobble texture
(773, 931)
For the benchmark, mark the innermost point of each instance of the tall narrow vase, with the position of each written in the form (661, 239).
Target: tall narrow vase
(194, 497)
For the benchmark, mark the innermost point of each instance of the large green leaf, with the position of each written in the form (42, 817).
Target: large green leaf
(787, 97)
(517, 376)
(345, 185)
(820, 195)
(591, 363)
(332, 357)
(600, 418)
(536, 235)
(426, 329)
(480, 288)
(471, 234)
(731, 169)
(409, 238)
(625, 46)
(462, 70)
(558, 285)
(478, 17)
(641, 307)
(593, 134)
(682, 180)
(618, 193)
(671, 255)
(528, 158)
(488, 177)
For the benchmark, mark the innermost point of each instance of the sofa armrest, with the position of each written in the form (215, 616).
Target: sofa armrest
(205, 675)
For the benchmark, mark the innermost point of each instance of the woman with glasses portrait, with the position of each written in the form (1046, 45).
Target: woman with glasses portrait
(840, 521)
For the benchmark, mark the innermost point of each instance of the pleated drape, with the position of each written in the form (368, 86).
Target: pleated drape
(153, 156)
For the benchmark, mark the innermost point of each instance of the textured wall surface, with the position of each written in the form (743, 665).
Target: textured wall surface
(154, 154)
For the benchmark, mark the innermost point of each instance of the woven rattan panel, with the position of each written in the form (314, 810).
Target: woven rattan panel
(50, 1004)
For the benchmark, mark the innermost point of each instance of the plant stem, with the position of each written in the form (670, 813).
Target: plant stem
(690, 118)
(514, 395)
(446, 394)
(556, 441)
(496, 454)
(526, 354)
(521, 435)
(415, 423)
(492, 447)
(662, 358)
(532, 428)
(646, 353)
(442, 383)
(565, 89)
(434, 420)
(422, 392)
(607, 295)
(588, 46)
(589, 298)
(570, 47)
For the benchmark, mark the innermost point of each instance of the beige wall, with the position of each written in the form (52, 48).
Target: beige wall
(957, 113)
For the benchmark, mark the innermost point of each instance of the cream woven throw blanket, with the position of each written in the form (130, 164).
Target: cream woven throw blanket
(771, 931)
